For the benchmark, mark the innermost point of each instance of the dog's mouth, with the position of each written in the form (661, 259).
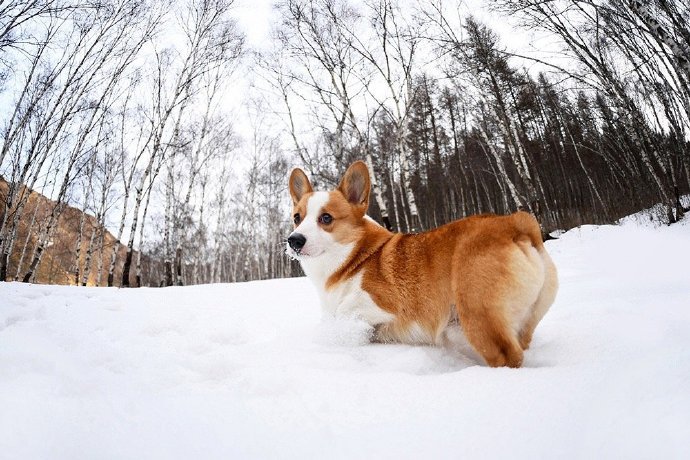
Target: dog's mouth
(301, 254)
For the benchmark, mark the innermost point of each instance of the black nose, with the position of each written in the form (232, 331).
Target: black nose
(297, 241)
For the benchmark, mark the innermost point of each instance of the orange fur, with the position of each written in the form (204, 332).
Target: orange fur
(490, 272)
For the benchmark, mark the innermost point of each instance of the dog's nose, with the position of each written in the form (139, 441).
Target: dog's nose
(297, 241)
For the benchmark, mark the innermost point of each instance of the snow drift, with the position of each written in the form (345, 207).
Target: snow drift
(251, 371)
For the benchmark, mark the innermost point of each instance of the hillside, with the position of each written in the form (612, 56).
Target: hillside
(250, 370)
(58, 263)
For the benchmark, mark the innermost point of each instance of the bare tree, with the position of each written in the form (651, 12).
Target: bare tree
(72, 93)
(212, 41)
(325, 66)
(391, 54)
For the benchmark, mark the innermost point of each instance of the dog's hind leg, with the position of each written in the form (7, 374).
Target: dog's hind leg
(495, 291)
(488, 331)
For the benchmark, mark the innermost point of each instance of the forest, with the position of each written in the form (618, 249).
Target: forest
(148, 143)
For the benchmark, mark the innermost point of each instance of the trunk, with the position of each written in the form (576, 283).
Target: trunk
(514, 147)
(101, 237)
(681, 51)
(395, 202)
(414, 224)
(166, 232)
(178, 266)
(501, 185)
(168, 273)
(517, 199)
(20, 263)
(130, 245)
(378, 193)
(464, 179)
(17, 198)
(439, 176)
(82, 220)
(89, 254)
(215, 276)
(120, 231)
(196, 276)
(593, 187)
(43, 240)
(141, 238)
(135, 223)
(77, 247)
(138, 272)
(403, 208)
(4, 262)
(126, 267)
(38, 253)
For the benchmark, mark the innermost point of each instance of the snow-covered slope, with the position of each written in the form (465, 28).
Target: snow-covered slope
(250, 371)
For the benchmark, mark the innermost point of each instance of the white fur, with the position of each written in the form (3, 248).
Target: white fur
(348, 300)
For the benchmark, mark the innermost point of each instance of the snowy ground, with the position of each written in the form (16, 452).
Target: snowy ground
(249, 371)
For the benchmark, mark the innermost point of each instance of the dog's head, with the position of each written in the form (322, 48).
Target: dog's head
(327, 222)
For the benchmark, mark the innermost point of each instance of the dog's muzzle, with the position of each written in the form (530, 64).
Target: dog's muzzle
(297, 242)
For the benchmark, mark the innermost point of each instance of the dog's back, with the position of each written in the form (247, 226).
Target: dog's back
(492, 272)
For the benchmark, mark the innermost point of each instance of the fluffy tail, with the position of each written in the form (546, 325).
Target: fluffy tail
(527, 225)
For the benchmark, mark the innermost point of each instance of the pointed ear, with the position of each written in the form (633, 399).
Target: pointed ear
(299, 185)
(355, 184)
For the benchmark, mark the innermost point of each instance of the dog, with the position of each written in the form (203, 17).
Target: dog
(489, 273)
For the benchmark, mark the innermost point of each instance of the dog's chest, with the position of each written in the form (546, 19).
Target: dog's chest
(347, 299)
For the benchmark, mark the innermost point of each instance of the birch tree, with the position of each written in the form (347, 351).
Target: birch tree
(391, 52)
(211, 41)
(325, 65)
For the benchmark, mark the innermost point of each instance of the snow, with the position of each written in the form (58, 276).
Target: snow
(251, 371)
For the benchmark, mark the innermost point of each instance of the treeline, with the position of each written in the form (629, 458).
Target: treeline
(474, 131)
(131, 125)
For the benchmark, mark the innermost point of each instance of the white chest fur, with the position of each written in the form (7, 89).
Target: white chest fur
(346, 299)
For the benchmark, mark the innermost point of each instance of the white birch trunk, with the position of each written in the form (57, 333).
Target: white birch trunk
(378, 192)
(26, 243)
(680, 50)
(100, 249)
(82, 220)
(407, 185)
(395, 201)
(89, 256)
(116, 246)
(517, 199)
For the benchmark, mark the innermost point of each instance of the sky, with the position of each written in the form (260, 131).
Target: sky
(254, 16)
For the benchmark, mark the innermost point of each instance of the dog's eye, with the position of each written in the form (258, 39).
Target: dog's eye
(297, 219)
(326, 218)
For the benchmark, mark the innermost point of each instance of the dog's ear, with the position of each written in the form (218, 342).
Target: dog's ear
(356, 184)
(299, 185)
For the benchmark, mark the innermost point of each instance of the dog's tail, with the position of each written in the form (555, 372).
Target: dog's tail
(526, 225)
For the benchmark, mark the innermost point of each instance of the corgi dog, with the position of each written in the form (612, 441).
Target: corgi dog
(491, 274)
